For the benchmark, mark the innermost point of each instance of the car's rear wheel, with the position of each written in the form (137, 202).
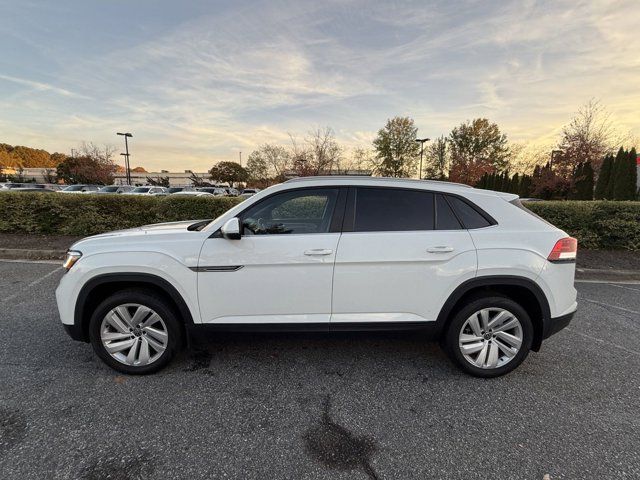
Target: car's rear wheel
(135, 332)
(490, 336)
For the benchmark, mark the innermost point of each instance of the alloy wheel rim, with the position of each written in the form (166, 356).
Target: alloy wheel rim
(490, 338)
(134, 334)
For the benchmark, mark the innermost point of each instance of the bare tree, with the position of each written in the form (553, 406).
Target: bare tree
(525, 157)
(275, 158)
(323, 151)
(589, 136)
(103, 154)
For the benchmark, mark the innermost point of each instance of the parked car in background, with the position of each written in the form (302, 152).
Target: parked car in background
(218, 191)
(114, 189)
(148, 190)
(232, 192)
(31, 189)
(249, 192)
(192, 193)
(80, 189)
(12, 185)
(473, 268)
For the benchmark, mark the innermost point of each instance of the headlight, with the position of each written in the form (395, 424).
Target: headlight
(72, 257)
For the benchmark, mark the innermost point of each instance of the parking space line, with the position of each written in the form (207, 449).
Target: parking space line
(606, 282)
(32, 284)
(41, 262)
(626, 288)
(600, 340)
(602, 304)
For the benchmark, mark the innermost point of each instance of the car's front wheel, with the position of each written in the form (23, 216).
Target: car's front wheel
(135, 332)
(490, 336)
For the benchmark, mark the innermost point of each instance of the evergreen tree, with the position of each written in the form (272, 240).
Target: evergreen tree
(633, 173)
(583, 182)
(616, 174)
(514, 185)
(624, 184)
(524, 189)
(603, 178)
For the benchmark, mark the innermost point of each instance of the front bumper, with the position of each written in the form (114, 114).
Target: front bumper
(554, 325)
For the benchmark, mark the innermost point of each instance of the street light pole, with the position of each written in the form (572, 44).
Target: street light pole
(126, 155)
(421, 142)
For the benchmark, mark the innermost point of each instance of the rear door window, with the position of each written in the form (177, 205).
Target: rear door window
(392, 209)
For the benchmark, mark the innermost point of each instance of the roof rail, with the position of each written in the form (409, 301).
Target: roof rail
(377, 179)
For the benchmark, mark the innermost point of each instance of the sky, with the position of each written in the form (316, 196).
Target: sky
(196, 82)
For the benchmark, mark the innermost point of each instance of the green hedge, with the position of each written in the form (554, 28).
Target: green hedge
(596, 224)
(86, 214)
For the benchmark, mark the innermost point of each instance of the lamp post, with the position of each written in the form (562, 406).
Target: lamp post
(126, 155)
(421, 142)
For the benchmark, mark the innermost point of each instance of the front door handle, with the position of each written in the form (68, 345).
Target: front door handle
(318, 251)
(440, 249)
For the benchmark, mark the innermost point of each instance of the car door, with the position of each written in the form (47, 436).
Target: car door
(401, 253)
(281, 269)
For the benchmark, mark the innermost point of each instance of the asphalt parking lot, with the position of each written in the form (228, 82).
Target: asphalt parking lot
(381, 405)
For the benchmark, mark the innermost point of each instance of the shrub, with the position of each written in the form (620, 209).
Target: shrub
(596, 224)
(85, 214)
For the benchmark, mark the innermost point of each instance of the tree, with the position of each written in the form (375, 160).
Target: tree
(85, 169)
(602, 185)
(258, 170)
(319, 154)
(198, 181)
(228, 172)
(397, 149)
(582, 182)
(624, 175)
(588, 137)
(158, 181)
(276, 158)
(437, 161)
(477, 147)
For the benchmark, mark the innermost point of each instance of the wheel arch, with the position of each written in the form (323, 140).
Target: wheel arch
(100, 286)
(520, 289)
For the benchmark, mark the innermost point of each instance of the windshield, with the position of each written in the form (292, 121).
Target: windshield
(141, 190)
(74, 188)
(175, 189)
(109, 189)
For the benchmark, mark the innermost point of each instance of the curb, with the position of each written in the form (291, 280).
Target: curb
(30, 254)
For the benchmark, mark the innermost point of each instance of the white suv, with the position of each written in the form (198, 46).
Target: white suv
(472, 267)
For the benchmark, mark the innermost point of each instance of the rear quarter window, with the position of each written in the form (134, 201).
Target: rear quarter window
(469, 216)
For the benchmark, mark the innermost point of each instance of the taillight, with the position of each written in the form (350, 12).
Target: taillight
(564, 250)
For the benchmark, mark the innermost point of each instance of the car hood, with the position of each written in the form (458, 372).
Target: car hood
(143, 233)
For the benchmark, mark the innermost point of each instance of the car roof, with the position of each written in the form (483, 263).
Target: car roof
(433, 185)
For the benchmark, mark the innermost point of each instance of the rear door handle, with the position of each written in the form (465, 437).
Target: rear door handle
(440, 249)
(318, 251)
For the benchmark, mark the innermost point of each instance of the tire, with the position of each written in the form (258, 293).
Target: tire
(507, 322)
(114, 326)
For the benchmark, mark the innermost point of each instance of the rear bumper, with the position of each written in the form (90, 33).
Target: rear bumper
(554, 325)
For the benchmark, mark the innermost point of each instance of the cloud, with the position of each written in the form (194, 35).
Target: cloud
(39, 86)
(207, 85)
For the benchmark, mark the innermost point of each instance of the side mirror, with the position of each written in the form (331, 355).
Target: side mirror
(231, 229)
